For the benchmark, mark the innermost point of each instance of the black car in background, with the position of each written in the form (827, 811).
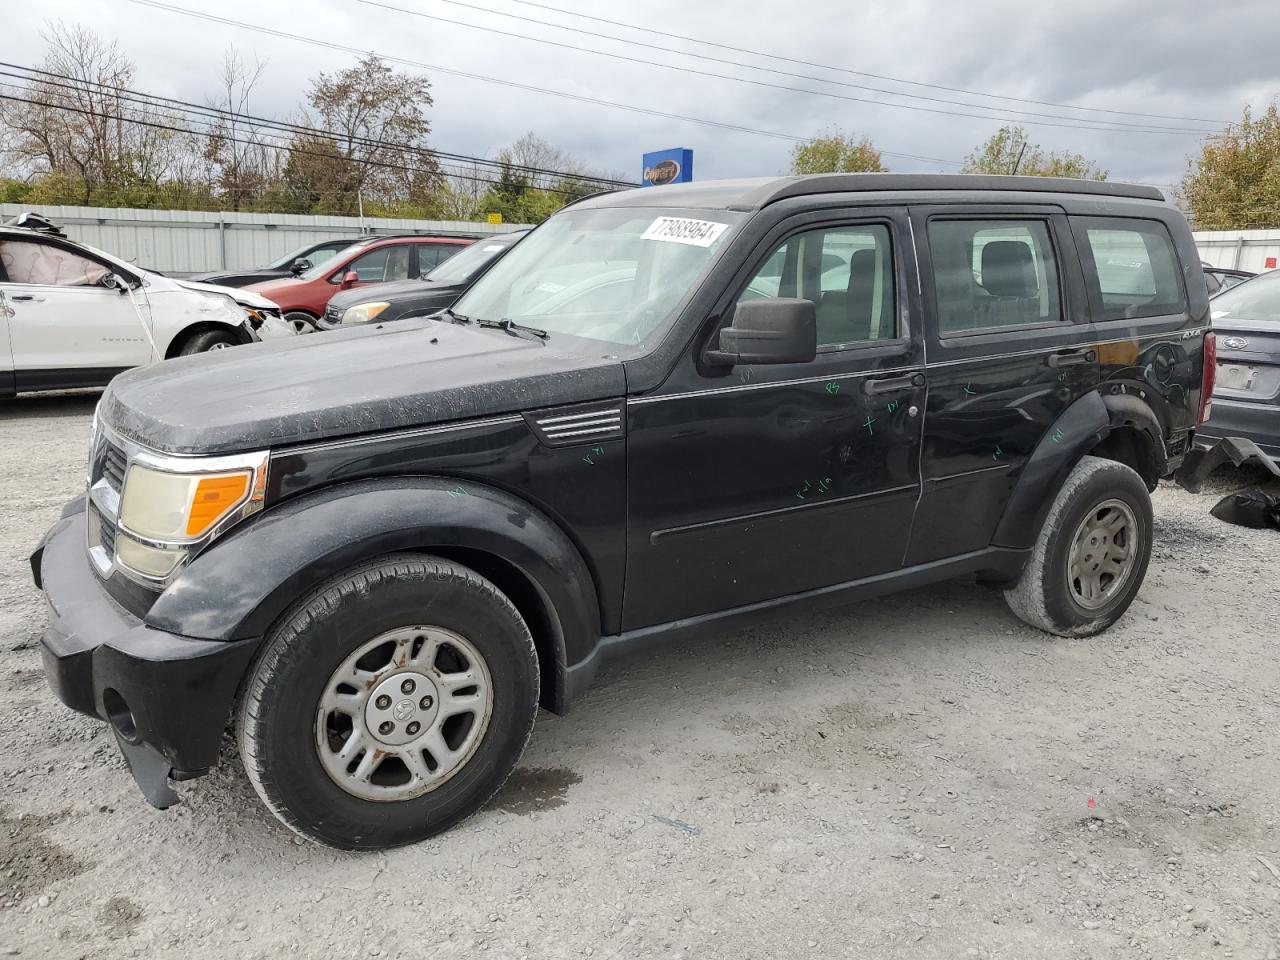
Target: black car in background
(1246, 393)
(415, 298)
(1218, 279)
(304, 258)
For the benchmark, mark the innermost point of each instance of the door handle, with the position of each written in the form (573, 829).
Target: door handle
(1070, 358)
(26, 298)
(874, 388)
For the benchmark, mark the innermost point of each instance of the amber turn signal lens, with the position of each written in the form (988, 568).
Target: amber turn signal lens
(214, 496)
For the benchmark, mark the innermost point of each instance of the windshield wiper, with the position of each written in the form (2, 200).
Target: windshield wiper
(513, 328)
(453, 317)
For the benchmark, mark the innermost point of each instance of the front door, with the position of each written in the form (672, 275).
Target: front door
(1008, 344)
(759, 482)
(65, 328)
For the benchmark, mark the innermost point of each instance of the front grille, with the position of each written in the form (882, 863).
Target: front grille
(331, 314)
(113, 466)
(107, 535)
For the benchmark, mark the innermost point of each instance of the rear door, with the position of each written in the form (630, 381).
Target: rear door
(1008, 350)
(66, 329)
(760, 482)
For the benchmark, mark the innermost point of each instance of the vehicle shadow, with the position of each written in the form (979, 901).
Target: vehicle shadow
(52, 405)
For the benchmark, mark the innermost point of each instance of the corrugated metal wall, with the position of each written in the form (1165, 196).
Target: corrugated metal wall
(1239, 249)
(180, 242)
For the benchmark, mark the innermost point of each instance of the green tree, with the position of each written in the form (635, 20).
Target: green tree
(1235, 181)
(836, 153)
(1009, 150)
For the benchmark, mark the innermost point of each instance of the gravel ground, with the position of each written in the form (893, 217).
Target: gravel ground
(916, 777)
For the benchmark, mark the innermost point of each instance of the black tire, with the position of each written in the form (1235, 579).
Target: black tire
(207, 340)
(1045, 596)
(278, 708)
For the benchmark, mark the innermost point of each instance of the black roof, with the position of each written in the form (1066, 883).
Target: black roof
(752, 194)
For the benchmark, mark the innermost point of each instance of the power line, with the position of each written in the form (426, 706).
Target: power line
(1115, 125)
(219, 113)
(580, 98)
(846, 70)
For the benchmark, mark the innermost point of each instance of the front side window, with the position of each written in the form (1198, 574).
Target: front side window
(1134, 266)
(847, 272)
(992, 273)
(47, 264)
(615, 274)
(385, 263)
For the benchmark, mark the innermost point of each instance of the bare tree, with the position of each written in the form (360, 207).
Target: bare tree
(78, 123)
(242, 163)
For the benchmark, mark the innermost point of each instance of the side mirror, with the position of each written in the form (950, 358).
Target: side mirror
(775, 330)
(301, 265)
(350, 277)
(113, 281)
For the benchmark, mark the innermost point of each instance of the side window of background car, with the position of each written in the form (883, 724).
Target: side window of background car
(848, 274)
(385, 263)
(46, 264)
(993, 273)
(1134, 266)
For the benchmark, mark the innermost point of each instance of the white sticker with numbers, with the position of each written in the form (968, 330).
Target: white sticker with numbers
(697, 233)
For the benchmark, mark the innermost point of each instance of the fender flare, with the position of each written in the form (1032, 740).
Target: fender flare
(243, 583)
(1083, 425)
(1080, 428)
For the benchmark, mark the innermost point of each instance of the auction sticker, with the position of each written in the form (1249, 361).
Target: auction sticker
(697, 233)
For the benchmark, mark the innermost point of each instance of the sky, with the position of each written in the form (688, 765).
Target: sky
(1164, 62)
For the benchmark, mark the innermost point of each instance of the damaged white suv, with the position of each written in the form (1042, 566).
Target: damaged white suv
(72, 316)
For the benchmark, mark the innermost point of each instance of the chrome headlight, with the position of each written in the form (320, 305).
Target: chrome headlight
(364, 312)
(171, 507)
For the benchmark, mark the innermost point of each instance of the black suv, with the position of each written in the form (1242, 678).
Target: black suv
(667, 412)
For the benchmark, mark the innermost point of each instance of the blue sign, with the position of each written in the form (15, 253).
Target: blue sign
(667, 166)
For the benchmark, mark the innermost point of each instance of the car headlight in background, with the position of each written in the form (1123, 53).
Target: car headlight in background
(364, 312)
(170, 508)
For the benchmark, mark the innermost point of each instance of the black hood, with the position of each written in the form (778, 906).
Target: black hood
(393, 291)
(238, 278)
(414, 373)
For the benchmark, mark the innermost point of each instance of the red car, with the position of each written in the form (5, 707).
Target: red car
(303, 298)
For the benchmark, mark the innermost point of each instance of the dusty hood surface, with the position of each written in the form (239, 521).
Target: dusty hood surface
(248, 297)
(413, 373)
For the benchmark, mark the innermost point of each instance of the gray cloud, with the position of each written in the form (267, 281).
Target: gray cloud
(1179, 58)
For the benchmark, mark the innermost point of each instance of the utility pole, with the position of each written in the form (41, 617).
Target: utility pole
(360, 206)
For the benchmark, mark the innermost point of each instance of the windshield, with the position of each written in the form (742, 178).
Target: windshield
(325, 266)
(468, 260)
(1256, 299)
(286, 261)
(607, 274)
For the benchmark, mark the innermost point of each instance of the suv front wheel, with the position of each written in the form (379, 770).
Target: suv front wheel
(390, 704)
(1092, 553)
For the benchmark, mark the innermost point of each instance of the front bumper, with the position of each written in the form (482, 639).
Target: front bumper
(167, 697)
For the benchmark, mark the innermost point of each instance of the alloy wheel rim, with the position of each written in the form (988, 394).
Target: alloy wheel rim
(1103, 554)
(301, 323)
(403, 713)
(219, 346)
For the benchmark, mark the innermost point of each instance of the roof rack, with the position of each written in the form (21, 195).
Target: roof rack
(865, 182)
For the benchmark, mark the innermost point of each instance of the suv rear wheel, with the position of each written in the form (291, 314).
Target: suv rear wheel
(1092, 553)
(390, 704)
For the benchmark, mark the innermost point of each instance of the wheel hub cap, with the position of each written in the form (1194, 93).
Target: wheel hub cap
(1103, 554)
(403, 712)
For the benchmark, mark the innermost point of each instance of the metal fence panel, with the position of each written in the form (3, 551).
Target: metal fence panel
(182, 242)
(1239, 249)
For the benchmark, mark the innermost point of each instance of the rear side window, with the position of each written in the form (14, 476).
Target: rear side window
(1134, 266)
(993, 273)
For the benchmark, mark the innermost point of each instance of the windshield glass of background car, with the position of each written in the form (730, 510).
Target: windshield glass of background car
(1256, 299)
(467, 261)
(613, 274)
